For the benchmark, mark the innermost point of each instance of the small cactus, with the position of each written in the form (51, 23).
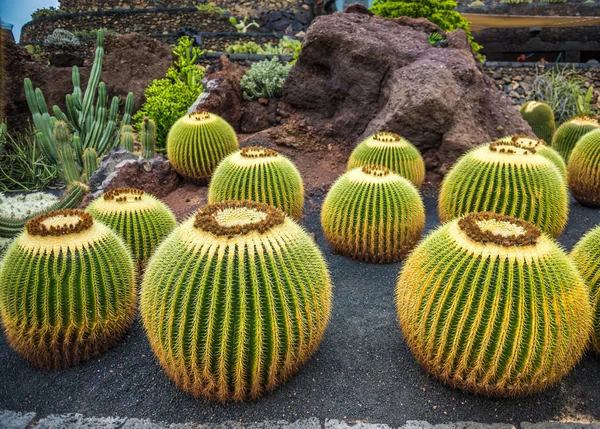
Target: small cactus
(70, 170)
(262, 175)
(541, 119)
(568, 134)
(584, 170)
(126, 138)
(489, 304)
(148, 138)
(67, 289)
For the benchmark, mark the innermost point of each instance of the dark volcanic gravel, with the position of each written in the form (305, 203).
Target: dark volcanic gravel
(362, 371)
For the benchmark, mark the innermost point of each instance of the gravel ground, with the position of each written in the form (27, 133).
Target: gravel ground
(363, 370)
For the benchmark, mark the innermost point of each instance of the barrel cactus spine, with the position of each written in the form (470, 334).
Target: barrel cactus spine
(393, 152)
(67, 289)
(140, 219)
(541, 119)
(507, 178)
(489, 304)
(568, 134)
(373, 215)
(248, 296)
(198, 142)
(584, 170)
(541, 148)
(259, 174)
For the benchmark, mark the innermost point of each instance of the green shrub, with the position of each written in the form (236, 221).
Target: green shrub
(440, 12)
(209, 8)
(265, 79)
(45, 11)
(168, 99)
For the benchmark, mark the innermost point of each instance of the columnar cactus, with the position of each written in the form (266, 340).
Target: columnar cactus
(506, 178)
(568, 134)
(67, 289)
(262, 175)
(235, 300)
(541, 119)
(140, 219)
(491, 305)
(90, 163)
(584, 170)
(393, 152)
(148, 138)
(198, 142)
(586, 256)
(126, 138)
(70, 170)
(541, 148)
(373, 215)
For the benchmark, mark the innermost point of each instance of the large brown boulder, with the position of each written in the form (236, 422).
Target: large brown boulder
(359, 74)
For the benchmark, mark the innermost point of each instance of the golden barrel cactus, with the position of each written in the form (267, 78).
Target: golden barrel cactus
(235, 300)
(67, 289)
(568, 134)
(489, 304)
(584, 170)
(373, 215)
(541, 148)
(541, 119)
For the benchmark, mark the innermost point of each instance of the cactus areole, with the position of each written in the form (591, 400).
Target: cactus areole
(247, 297)
(489, 304)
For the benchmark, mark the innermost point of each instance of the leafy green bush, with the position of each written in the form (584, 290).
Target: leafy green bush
(440, 12)
(209, 8)
(286, 46)
(45, 11)
(265, 79)
(169, 98)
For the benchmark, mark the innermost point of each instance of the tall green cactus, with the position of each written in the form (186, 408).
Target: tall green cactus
(148, 138)
(91, 121)
(66, 158)
(127, 137)
(90, 163)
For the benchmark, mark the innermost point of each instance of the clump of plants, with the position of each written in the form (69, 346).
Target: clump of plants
(254, 301)
(242, 26)
(140, 219)
(25, 205)
(62, 39)
(43, 12)
(168, 99)
(67, 290)
(265, 79)
(502, 177)
(373, 215)
(541, 119)
(484, 301)
(391, 151)
(568, 134)
(286, 46)
(210, 8)
(259, 174)
(198, 142)
(584, 170)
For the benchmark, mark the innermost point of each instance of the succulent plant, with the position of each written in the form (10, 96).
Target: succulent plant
(67, 289)
(198, 142)
(373, 215)
(11, 227)
(584, 170)
(568, 134)
(235, 300)
(541, 148)
(259, 174)
(126, 137)
(586, 256)
(148, 138)
(489, 304)
(506, 178)
(391, 151)
(541, 119)
(140, 219)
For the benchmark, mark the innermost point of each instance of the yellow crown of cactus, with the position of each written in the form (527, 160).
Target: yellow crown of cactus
(139, 218)
(541, 119)
(393, 152)
(262, 175)
(568, 134)
(373, 215)
(490, 305)
(586, 256)
(506, 178)
(67, 289)
(541, 148)
(584, 170)
(235, 300)
(197, 143)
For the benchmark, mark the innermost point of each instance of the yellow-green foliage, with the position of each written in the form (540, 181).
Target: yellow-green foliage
(490, 305)
(586, 256)
(140, 219)
(262, 175)
(393, 152)
(198, 142)
(584, 170)
(67, 289)
(569, 133)
(541, 148)
(541, 119)
(373, 215)
(504, 177)
(235, 300)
